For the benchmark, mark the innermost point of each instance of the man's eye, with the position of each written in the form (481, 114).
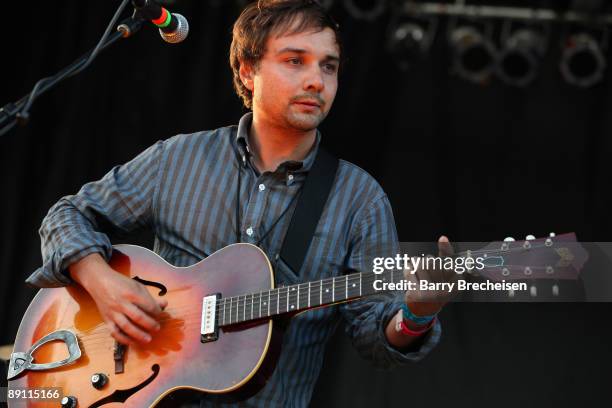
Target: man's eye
(331, 67)
(294, 61)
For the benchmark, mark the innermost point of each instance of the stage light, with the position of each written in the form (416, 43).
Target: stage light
(519, 60)
(474, 54)
(409, 41)
(582, 62)
(365, 9)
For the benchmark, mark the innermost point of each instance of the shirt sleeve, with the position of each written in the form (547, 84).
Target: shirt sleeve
(73, 227)
(367, 318)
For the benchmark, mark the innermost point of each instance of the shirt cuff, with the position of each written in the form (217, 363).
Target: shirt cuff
(50, 276)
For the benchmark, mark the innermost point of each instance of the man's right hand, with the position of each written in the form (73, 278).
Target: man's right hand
(128, 309)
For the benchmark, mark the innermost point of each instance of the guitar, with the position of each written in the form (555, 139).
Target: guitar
(220, 333)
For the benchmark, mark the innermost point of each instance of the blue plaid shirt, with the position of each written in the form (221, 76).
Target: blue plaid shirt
(185, 190)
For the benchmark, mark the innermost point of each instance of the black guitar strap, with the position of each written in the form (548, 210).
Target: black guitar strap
(309, 208)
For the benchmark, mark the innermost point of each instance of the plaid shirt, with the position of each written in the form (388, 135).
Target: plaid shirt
(185, 190)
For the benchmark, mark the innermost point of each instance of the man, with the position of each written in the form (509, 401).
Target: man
(203, 191)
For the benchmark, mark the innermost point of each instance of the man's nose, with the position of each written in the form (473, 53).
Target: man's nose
(313, 82)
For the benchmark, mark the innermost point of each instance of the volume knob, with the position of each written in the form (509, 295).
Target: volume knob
(69, 402)
(99, 380)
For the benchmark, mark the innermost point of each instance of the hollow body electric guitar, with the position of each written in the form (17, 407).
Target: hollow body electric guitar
(219, 333)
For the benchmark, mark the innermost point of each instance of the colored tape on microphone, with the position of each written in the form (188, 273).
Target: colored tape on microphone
(163, 20)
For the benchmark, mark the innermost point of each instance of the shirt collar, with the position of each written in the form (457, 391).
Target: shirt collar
(296, 166)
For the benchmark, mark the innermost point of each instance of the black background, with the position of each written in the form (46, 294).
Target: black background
(477, 163)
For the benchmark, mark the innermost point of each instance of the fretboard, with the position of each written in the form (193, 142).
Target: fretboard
(329, 291)
(299, 297)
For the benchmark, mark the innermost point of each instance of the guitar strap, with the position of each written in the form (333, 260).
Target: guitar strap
(309, 208)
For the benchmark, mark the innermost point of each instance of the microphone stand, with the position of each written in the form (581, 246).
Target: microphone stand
(12, 114)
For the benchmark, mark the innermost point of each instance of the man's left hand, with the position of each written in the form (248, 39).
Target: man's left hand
(426, 302)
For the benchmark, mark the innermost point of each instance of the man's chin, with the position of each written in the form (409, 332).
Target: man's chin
(305, 121)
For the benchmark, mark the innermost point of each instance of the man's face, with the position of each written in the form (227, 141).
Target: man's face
(295, 82)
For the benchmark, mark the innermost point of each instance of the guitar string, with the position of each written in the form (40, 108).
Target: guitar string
(329, 280)
(281, 294)
(366, 275)
(188, 322)
(338, 282)
(105, 332)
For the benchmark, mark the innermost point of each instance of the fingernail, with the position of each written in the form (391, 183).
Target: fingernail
(147, 338)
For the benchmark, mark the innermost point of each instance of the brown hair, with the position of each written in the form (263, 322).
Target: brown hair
(261, 18)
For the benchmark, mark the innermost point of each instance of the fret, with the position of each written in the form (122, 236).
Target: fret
(246, 302)
(327, 296)
(288, 289)
(346, 284)
(309, 294)
(297, 306)
(259, 304)
(360, 275)
(277, 300)
(321, 292)
(237, 308)
(271, 306)
(252, 306)
(291, 297)
(352, 287)
(333, 289)
(223, 311)
(230, 311)
(244, 309)
(269, 303)
(237, 317)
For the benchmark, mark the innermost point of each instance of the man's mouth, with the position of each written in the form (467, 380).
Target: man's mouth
(308, 102)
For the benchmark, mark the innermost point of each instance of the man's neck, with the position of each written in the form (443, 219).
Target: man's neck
(272, 145)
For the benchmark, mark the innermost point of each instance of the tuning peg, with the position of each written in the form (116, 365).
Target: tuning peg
(555, 290)
(511, 293)
(550, 270)
(528, 271)
(529, 238)
(509, 239)
(552, 235)
(533, 291)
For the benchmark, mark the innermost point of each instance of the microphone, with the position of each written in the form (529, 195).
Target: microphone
(173, 28)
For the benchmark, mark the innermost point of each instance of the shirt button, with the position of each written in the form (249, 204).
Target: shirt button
(290, 177)
(276, 257)
(262, 187)
(249, 231)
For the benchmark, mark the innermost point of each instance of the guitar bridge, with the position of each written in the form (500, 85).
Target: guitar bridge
(209, 329)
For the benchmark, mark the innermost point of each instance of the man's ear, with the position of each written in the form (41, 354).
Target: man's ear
(246, 75)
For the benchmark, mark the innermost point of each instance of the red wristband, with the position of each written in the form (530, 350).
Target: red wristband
(411, 332)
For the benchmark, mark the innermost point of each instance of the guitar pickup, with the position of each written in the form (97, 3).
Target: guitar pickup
(209, 329)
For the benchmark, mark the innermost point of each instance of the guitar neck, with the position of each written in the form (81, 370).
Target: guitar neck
(300, 297)
(558, 258)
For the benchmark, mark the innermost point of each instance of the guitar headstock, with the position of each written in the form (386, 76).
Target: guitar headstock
(552, 257)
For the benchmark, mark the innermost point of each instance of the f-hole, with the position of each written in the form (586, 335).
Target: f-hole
(162, 288)
(123, 395)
